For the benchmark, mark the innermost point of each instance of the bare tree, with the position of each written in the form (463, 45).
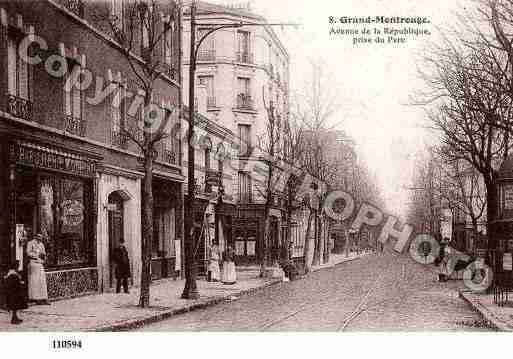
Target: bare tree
(140, 27)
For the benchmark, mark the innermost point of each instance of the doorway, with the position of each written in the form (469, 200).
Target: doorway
(116, 232)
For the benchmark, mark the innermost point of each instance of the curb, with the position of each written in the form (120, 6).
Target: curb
(135, 323)
(491, 319)
(336, 264)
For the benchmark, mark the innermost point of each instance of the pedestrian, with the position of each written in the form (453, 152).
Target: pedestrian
(37, 289)
(15, 292)
(122, 262)
(443, 270)
(214, 273)
(229, 274)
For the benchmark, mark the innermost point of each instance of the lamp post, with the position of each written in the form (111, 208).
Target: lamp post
(190, 290)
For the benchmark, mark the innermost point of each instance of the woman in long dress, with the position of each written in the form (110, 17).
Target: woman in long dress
(229, 274)
(213, 265)
(37, 290)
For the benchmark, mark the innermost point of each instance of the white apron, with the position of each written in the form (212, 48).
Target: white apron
(37, 289)
(229, 274)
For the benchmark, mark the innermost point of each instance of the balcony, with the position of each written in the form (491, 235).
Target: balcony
(75, 6)
(170, 71)
(169, 156)
(119, 139)
(245, 57)
(244, 102)
(75, 126)
(206, 55)
(19, 107)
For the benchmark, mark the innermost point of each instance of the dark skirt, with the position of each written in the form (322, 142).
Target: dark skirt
(16, 294)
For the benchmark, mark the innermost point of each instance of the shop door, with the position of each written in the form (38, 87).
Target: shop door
(115, 214)
(245, 233)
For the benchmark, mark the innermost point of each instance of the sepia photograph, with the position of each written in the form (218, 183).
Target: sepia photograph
(331, 169)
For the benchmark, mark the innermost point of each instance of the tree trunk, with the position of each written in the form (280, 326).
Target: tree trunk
(317, 241)
(147, 230)
(308, 243)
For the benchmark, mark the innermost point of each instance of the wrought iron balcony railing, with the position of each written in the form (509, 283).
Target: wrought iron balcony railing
(119, 139)
(206, 55)
(170, 71)
(75, 6)
(75, 126)
(244, 102)
(245, 57)
(169, 156)
(19, 107)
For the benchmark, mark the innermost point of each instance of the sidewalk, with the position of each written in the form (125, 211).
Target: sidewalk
(500, 318)
(336, 259)
(114, 312)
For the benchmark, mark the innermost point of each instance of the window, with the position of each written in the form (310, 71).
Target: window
(244, 139)
(208, 82)
(117, 113)
(169, 44)
(18, 71)
(63, 218)
(243, 44)
(245, 190)
(73, 99)
(244, 86)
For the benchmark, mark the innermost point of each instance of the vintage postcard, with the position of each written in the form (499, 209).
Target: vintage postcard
(258, 166)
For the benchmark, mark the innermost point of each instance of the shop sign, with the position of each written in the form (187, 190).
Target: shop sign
(72, 213)
(507, 262)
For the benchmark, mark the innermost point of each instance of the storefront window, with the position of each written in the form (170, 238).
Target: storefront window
(62, 218)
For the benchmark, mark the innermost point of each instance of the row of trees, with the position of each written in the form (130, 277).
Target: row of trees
(312, 143)
(468, 99)
(304, 138)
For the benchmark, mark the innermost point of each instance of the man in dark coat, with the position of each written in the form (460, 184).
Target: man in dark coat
(122, 261)
(16, 298)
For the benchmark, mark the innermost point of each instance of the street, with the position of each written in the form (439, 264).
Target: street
(376, 292)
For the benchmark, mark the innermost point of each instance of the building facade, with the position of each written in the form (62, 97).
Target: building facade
(72, 173)
(240, 73)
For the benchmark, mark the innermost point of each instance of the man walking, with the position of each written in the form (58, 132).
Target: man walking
(122, 262)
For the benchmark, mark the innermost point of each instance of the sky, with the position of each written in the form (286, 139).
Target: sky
(375, 81)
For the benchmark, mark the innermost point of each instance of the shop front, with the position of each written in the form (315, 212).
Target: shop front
(166, 229)
(52, 191)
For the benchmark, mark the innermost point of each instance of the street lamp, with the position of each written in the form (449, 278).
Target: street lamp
(190, 290)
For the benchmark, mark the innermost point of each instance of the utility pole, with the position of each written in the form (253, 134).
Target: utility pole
(190, 290)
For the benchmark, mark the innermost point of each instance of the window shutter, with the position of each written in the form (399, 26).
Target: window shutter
(23, 79)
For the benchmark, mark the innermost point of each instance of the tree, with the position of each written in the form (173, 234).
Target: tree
(468, 107)
(140, 29)
(271, 146)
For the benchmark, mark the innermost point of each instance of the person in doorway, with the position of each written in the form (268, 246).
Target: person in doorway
(229, 274)
(36, 253)
(214, 273)
(122, 262)
(15, 292)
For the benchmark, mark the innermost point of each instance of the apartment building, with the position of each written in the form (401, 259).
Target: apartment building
(71, 173)
(241, 72)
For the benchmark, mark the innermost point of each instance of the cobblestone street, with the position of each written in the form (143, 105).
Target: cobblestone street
(377, 292)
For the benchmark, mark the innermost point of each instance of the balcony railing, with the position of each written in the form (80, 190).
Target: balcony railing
(170, 71)
(75, 126)
(245, 57)
(211, 102)
(244, 102)
(169, 156)
(19, 107)
(75, 6)
(133, 127)
(206, 55)
(119, 139)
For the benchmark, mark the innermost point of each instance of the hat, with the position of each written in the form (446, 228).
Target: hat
(38, 235)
